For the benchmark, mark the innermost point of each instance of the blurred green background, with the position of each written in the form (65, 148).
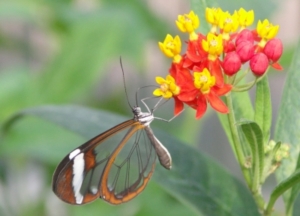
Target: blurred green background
(67, 52)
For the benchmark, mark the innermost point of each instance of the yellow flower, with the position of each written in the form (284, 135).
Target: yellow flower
(188, 23)
(204, 81)
(213, 16)
(266, 31)
(245, 18)
(171, 47)
(213, 45)
(228, 23)
(168, 87)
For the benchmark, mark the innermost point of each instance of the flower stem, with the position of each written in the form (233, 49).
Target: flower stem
(245, 87)
(242, 160)
(236, 140)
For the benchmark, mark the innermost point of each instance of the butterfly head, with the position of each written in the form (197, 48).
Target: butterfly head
(144, 118)
(136, 110)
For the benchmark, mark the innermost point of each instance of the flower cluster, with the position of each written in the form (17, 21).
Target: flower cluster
(274, 154)
(208, 68)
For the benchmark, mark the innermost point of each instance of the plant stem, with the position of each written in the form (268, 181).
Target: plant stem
(240, 155)
(236, 140)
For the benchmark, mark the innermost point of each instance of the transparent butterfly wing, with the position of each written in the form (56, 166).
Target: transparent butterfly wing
(129, 169)
(117, 166)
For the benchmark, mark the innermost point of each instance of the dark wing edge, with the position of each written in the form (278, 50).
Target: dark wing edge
(62, 183)
(108, 194)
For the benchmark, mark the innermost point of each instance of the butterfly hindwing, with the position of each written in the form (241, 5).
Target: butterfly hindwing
(115, 165)
(130, 168)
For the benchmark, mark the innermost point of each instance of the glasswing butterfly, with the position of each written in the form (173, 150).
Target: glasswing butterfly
(116, 165)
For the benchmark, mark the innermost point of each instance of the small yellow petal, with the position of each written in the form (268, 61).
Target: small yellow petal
(204, 81)
(180, 26)
(250, 18)
(170, 79)
(273, 32)
(168, 87)
(171, 47)
(177, 43)
(266, 30)
(159, 80)
(167, 94)
(205, 45)
(157, 92)
(188, 22)
(209, 15)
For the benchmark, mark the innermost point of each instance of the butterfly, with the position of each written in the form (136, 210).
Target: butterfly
(115, 166)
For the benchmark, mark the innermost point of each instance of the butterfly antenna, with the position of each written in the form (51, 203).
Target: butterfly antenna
(138, 89)
(124, 83)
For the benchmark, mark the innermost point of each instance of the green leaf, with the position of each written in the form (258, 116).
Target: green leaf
(269, 161)
(195, 179)
(293, 196)
(243, 110)
(15, 88)
(199, 8)
(288, 183)
(92, 41)
(254, 137)
(263, 108)
(288, 124)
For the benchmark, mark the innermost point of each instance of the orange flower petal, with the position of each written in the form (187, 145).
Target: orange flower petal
(222, 91)
(178, 106)
(188, 95)
(202, 106)
(217, 103)
(277, 66)
(215, 69)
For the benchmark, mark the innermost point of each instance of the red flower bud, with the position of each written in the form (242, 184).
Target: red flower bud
(245, 50)
(232, 63)
(229, 46)
(245, 35)
(259, 64)
(273, 49)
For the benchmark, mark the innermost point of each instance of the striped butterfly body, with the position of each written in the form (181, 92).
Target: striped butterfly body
(115, 165)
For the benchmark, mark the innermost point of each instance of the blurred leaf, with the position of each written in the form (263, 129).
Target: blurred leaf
(293, 201)
(263, 108)
(261, 12)
(287, 57)
(194, 179)
(148, 18)
(143, 205)
(288, 124)
(199, 8)
(92, 42)
(15, 87)
(243, 110)
(24, 10)
(26, 140)
(282, 187)
(91, 39)
(254, 136)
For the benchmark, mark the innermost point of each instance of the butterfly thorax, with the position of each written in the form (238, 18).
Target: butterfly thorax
(144, 118)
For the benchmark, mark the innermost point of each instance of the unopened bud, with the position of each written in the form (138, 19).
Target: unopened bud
(245, 35)
(245, 50)
(232, 63)
(259, 64)
(273, 49)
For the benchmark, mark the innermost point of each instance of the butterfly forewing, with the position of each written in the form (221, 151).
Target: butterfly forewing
(115, 165)
(129, 172)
